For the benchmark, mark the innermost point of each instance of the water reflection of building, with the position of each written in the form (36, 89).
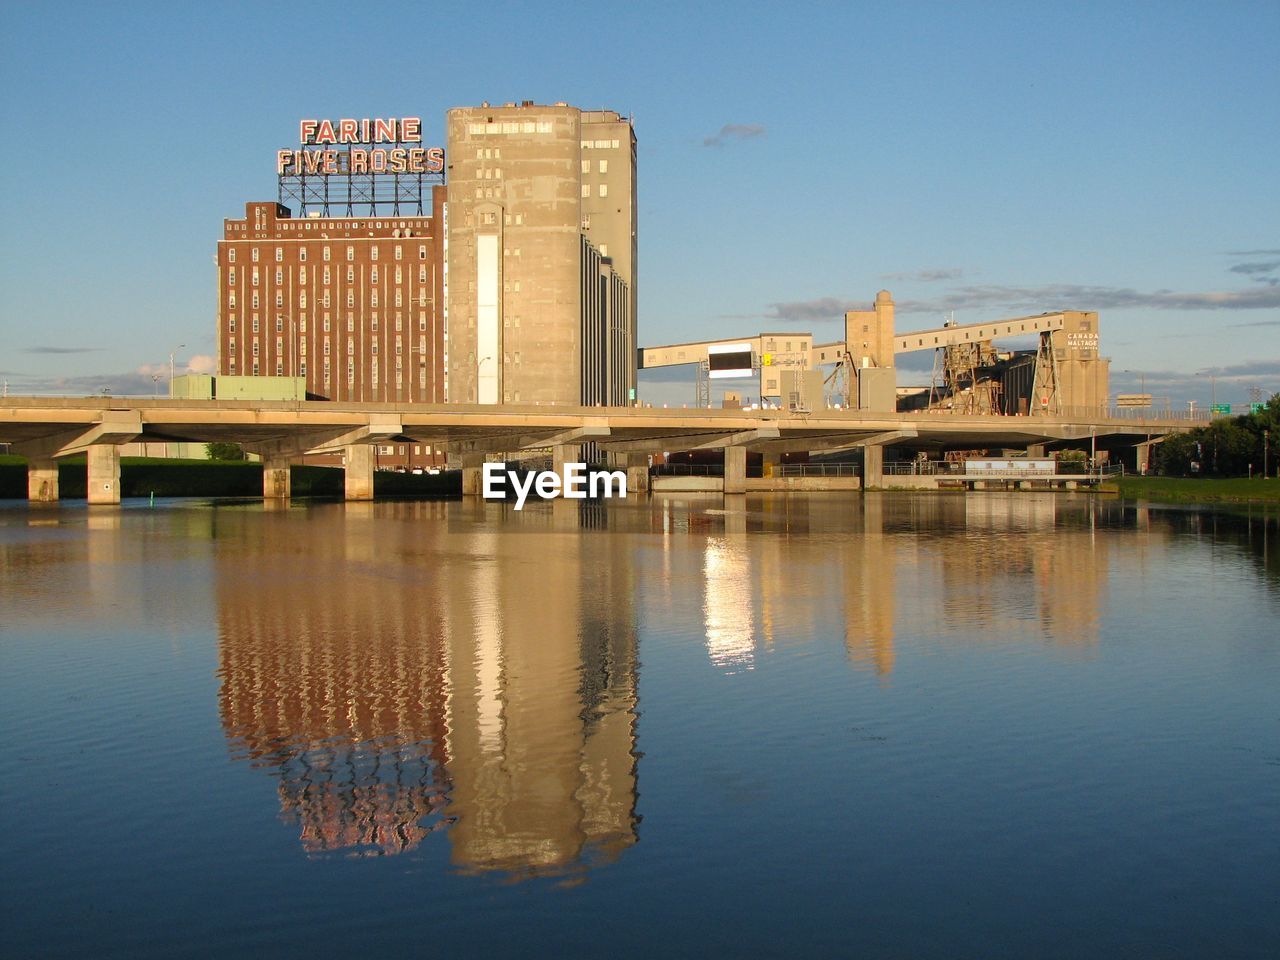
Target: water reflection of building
(398, 678)
(1001, 568)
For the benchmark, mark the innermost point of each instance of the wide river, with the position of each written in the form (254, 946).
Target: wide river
(985, 725)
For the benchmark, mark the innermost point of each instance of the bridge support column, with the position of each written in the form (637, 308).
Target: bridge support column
(563, 453)
(771, 463)
(1143, 451)
(637, 473)
(735, 469)
(472, 464)
(1035, 450)
(358, 481)
(42, 480)
(103, 482)
(872, 467)
(276, 479)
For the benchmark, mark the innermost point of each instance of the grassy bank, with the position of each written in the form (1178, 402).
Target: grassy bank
(1197, 489)
(143, 476)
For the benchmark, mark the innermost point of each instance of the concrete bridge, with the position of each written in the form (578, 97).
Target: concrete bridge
(44, 429)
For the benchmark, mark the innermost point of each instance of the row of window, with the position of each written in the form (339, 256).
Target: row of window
(351, 324)
(586, 190)
(351, 348)
(324, 300)
(327, 276)
(326, 254)
(499, 127)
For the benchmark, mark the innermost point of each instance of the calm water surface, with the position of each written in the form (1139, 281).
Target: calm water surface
(935, 726)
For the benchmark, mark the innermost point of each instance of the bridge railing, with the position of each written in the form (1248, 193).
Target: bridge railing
(818, 470)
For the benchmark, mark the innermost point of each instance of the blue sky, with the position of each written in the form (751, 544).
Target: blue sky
(991, 159)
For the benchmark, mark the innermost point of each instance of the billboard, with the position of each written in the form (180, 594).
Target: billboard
(729, 360)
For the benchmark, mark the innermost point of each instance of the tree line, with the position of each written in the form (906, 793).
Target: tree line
(1226, 447)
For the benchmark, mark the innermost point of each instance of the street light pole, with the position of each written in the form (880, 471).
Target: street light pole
(171, 353)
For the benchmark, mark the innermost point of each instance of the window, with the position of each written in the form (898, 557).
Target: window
(422, 274)
(351, 322)
(279, 346)
(398, 298)
(351, 274)
(255, 323)
(255, 276)
(351, 298)
(326, 275)
(373, 321)
(279, 254)
(373, 252)
(604, 166)
(254, 254)
(231, 255)
(351, 254)
(374, 348)
(255, 346)
(326, 323)
(326, 254)
(231, 276)
(255, 368)
(586, 166)
(399, 252)
(373, 275)
(351, 346)
(302, 276)
(326, 346)
(302, 299)
(232, 323)
(279, 323)
(279, 298)
(586, 190)
(325, 300)
(422, 321)
(232, 343)
(604, 189)
(279, 275)
(302, 253)
(422, 252)
(255, 299)
(231, 300)
(373, 298)
(399, 275)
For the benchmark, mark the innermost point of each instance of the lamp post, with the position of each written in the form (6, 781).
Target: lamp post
(171, 353)
(479, 374)
(1213, 388)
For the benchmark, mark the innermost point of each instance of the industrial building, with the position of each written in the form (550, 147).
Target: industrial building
(1063, 375)
(541, 255)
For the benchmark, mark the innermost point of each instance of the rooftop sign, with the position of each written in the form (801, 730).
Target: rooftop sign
(320, 139)
(350, 167)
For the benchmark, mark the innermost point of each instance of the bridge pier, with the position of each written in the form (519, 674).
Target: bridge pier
(102, 485)
(276, 478)
(1035, 451)
(637, 473)
(872, 467)
(735, 469)
(562, 453)
(42, 480)
(358, 475)
(1143, 451)
(472, 465)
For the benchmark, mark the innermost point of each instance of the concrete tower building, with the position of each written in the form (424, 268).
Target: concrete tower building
(540, 255)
